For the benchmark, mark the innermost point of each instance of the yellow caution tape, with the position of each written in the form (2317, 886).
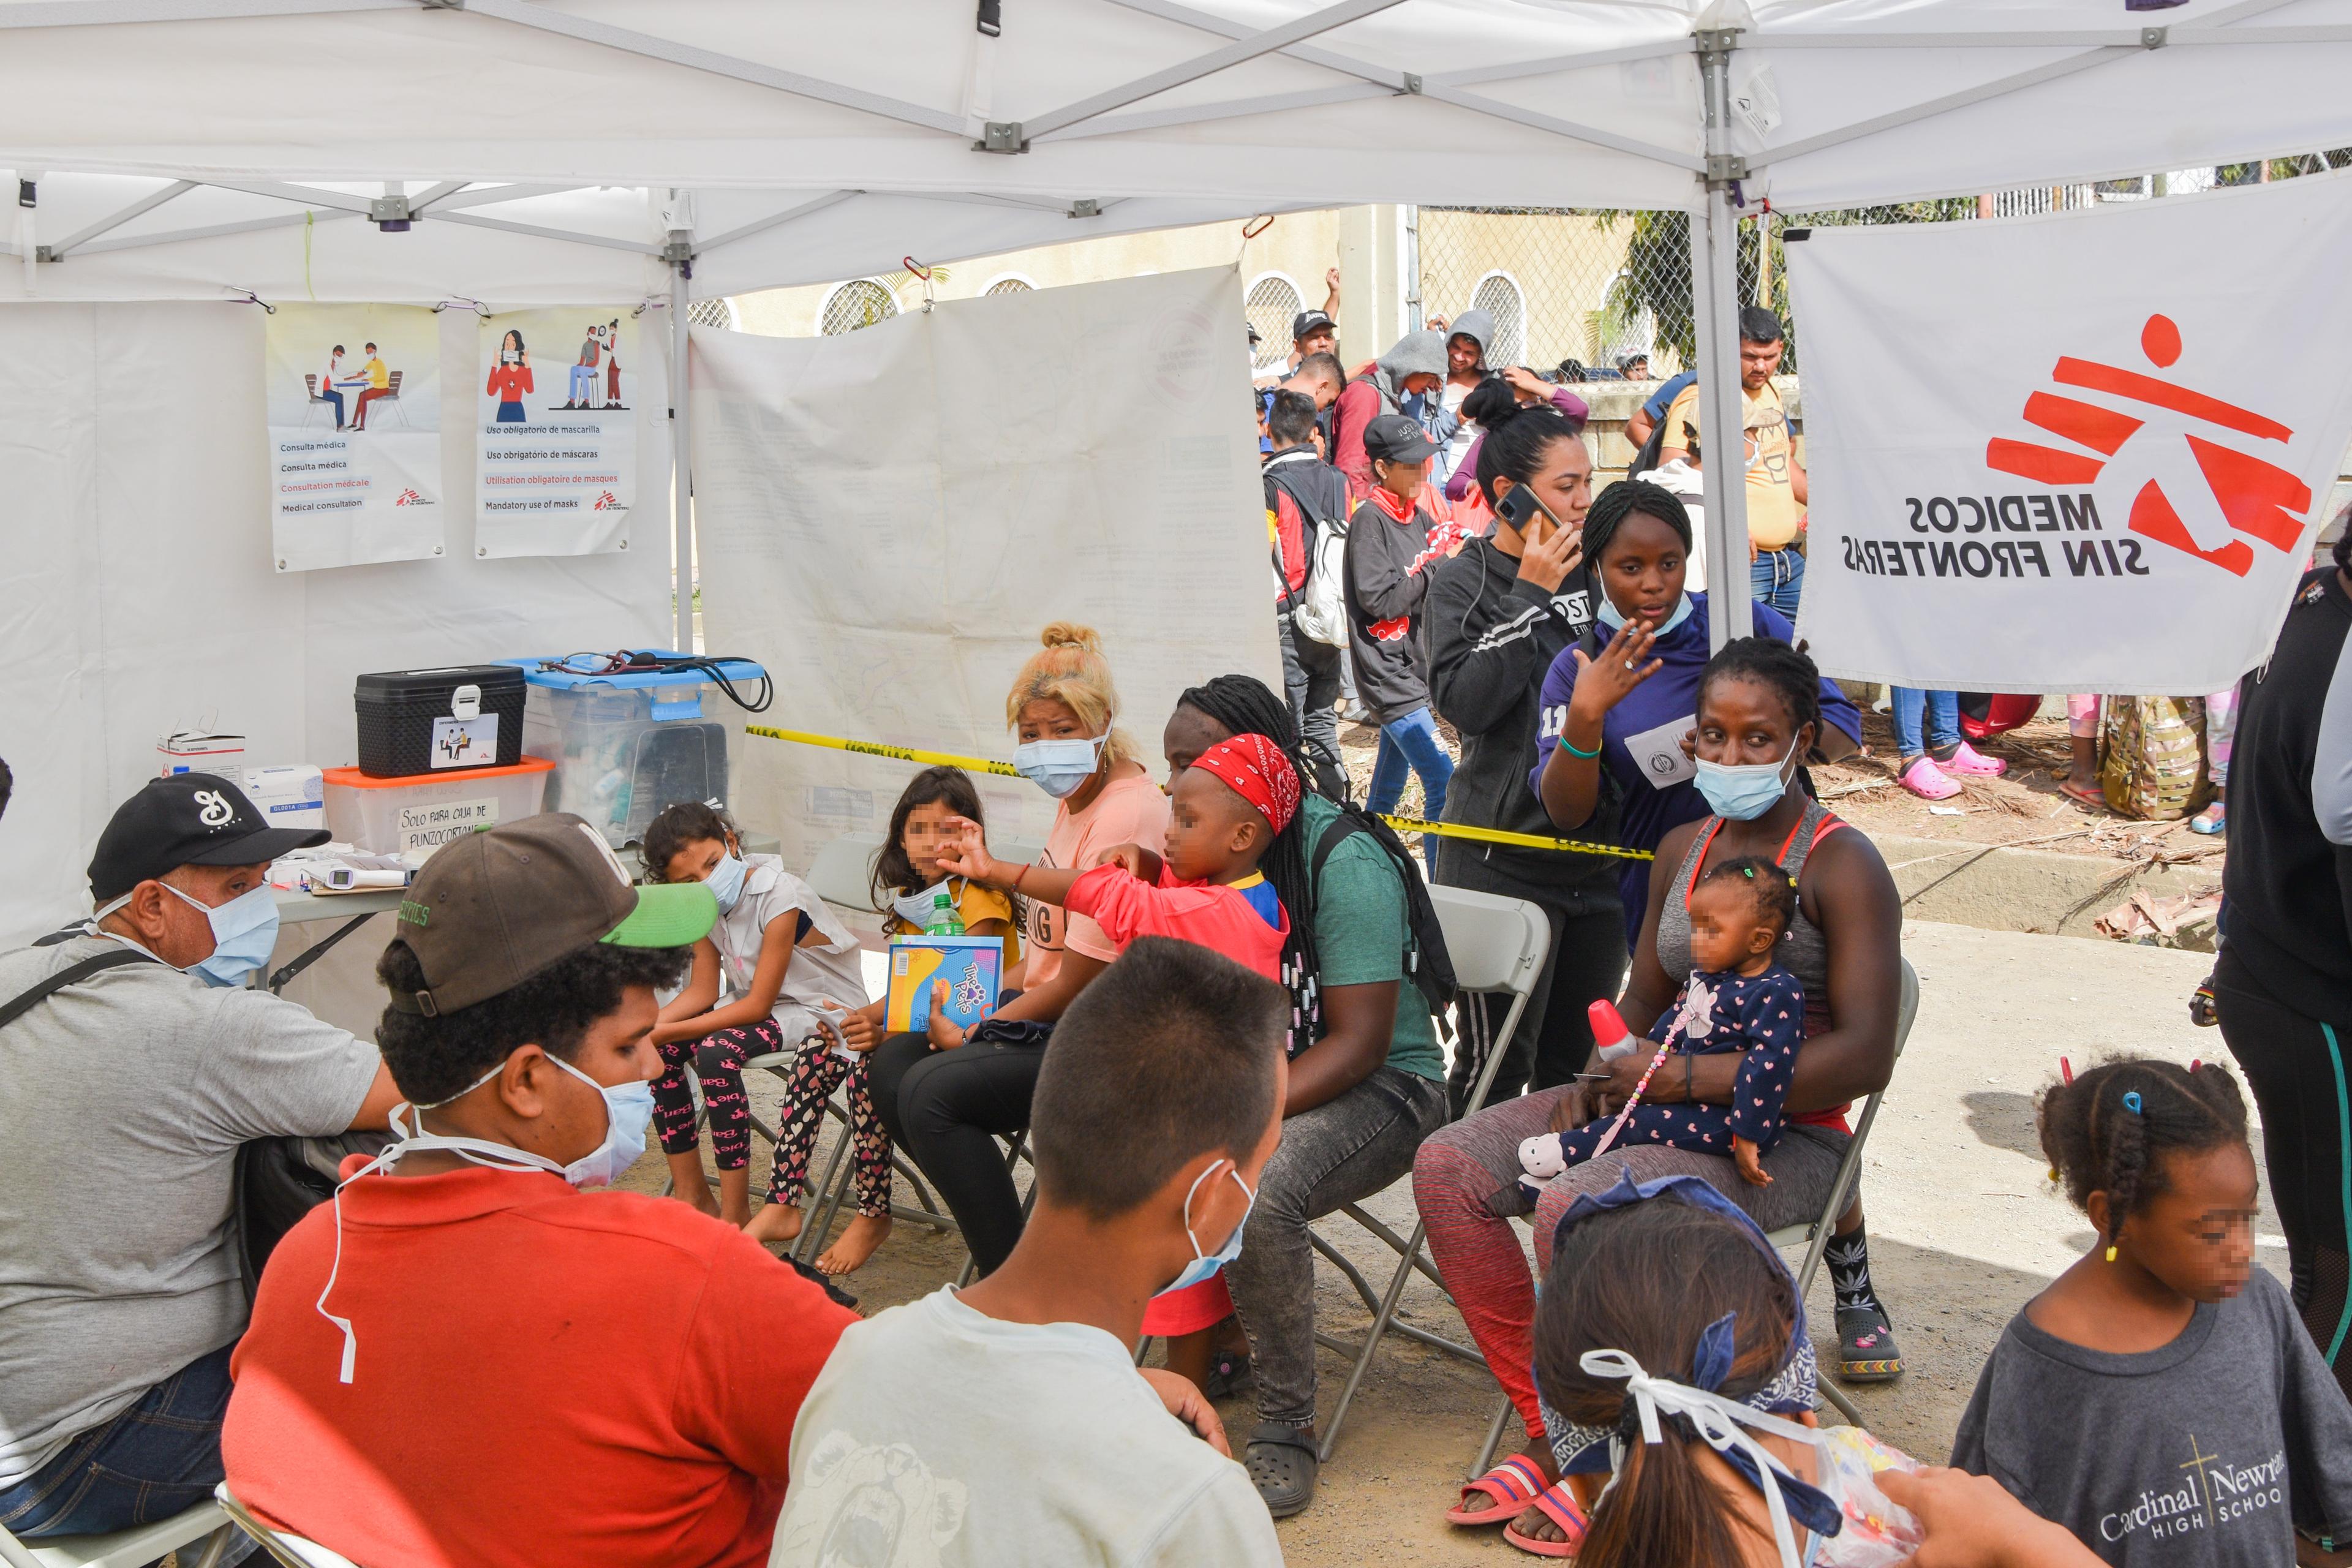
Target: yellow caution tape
(1401, 824)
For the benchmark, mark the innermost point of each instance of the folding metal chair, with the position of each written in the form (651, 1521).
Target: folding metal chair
(1812, 1236)
(133, 1548)
(1497, 945)
(287, 1550)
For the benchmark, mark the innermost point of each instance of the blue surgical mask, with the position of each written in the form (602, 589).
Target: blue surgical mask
(245, 930)
(1612, 617)
(726, 881)
(1744, 794)
(1206, 1265)
(1060, 768)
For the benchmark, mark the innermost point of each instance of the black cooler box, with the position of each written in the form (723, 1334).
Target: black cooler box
(440, 720)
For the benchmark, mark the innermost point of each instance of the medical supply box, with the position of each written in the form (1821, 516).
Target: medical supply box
(969, 967)
(440, 720)
(628, 743)
(286, 796)
(199, 752)
(424, 811)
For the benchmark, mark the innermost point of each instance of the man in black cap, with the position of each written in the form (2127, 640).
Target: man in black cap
(1312, 332)
(125, 1093)
(466, 1358)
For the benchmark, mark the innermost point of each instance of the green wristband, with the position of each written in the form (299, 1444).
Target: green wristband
(1569, 747)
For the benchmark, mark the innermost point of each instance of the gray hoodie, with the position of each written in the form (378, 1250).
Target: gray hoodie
(1415, 353)
(1478, 326)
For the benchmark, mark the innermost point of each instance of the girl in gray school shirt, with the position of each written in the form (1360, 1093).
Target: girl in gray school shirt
(2162, 1399)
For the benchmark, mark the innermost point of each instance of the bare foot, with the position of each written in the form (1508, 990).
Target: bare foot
(855, 1244)
(689, 1185)
(773, 1223)
(1539, 1455)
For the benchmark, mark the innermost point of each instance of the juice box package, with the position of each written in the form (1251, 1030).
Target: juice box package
(969, 967)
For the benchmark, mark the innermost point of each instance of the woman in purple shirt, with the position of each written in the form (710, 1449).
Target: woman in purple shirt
(1626, 709)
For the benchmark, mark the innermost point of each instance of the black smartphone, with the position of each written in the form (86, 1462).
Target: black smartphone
(1520, 508)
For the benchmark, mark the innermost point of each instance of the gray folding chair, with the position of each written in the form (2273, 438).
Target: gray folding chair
(1497, 945)
(287, 1551)
(133, 1548)
(1815, 1234)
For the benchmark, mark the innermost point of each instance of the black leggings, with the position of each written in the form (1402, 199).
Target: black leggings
(947, 1108)
(2297, 1075)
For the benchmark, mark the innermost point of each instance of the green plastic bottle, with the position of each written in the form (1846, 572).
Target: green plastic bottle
(944, 921)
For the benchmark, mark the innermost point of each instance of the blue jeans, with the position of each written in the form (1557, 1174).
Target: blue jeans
(1777, 577)
(1412, 742)
(160, 1457)
(1941, 711)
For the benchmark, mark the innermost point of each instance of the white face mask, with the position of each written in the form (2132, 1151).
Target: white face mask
(1060, 768)
(244, 930)
(628, 1111)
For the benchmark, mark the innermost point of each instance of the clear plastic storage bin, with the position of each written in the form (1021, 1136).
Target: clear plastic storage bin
(626, 745)
(424, 811)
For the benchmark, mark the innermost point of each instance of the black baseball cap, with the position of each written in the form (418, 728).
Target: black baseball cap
(490, 910)
(1395, 438)
(1308, 321)
(187, 819)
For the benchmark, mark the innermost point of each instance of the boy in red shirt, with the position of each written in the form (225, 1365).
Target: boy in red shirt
(464, 1361)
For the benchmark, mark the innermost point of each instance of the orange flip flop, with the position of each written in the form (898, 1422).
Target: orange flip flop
(1513, 1484)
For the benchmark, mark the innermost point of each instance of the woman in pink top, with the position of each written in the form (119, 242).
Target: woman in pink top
(946, 1097)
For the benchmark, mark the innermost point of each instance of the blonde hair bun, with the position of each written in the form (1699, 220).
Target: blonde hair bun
(1069, 634)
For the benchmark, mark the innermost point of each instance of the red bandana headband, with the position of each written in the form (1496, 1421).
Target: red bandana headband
(1254, 768)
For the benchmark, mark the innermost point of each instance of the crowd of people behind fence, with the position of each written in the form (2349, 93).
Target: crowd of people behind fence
(1226, 1012)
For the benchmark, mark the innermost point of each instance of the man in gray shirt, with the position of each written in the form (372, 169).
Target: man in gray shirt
(125, 1094)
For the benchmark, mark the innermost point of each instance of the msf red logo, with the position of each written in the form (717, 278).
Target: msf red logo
(607, 501)
(2199, 496)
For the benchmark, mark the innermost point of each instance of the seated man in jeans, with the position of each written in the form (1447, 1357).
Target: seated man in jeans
(125, 1094)
(462, 1359)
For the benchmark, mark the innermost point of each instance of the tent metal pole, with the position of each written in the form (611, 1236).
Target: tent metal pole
(1715, 296)
(681, 457)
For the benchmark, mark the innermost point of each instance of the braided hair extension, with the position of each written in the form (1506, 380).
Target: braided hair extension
(1245, 706)
(1771, 662)
(1613, 506)
(2112, 1128)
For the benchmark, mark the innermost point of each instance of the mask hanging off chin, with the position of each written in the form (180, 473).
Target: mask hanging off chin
(1613, 618)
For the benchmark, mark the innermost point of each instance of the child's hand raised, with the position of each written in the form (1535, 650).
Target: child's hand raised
(1751, 1164)
(963, 851)
(1137, 862)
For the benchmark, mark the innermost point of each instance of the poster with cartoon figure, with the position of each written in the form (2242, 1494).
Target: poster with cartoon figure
(556, 431)
(354, 435)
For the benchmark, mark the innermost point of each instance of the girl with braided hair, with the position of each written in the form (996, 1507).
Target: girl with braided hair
(2160, 1398)
(1366, 1082)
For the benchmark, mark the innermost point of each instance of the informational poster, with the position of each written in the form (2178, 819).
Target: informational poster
(355, 398)
(556, 431)
(889, 519)
(2088, 452)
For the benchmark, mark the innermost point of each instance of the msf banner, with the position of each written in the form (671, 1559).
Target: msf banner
(2041, 462)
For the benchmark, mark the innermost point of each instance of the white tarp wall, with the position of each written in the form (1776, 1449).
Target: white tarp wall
(139, 590)
(890, 518)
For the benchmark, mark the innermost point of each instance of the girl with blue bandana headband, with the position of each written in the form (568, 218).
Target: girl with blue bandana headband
(1671, 1350)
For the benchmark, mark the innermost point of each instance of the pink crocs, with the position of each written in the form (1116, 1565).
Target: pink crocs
(1969, 760)
(1926, 780)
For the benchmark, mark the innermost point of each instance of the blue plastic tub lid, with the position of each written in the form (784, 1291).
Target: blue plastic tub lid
(738, 669)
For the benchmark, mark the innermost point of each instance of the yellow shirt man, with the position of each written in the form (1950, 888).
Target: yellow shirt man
(1773, 476)
(378, 377)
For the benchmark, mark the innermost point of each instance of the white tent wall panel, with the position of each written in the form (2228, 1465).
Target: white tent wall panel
(140, 593)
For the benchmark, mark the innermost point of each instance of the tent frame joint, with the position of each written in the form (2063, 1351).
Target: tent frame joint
(1086, 206)
(1411, 84)
(678, 252)
(1716, 41)
(2154, 37)
(1723, 168)
(1002, 136)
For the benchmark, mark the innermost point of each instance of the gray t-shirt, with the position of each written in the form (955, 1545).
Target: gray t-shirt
(122, 1101)
(2204, 1454)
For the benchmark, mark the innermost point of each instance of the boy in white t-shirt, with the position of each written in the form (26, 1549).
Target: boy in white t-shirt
(1007, 1423)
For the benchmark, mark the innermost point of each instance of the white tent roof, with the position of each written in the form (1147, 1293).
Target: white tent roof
(821, 139)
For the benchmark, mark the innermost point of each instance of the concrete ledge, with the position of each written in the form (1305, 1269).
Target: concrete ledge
(2040, 890)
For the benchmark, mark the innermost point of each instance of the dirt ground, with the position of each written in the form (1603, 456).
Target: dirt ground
(1964, 1230)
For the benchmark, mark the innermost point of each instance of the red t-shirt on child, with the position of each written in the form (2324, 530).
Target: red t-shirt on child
(542, 1375)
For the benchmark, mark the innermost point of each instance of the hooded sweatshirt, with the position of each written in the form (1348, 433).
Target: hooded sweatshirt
(1478, 326)
(1490, 639)
(1390, 558)
(1380, 390)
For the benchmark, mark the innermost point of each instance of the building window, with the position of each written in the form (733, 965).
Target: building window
(1010, 283)
(711, 313)
(1271, 305)
(1498, 295)
(860, 302)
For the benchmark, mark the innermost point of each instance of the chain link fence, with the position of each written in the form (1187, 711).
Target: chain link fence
(1587, 294)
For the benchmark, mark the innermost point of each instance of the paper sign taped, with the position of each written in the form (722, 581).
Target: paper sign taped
(431, 826)
(465, 742)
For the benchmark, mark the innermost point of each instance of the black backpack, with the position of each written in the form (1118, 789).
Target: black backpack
(1426, 960)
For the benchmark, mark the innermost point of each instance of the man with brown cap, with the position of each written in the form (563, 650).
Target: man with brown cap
(465, 1360)
(133, 1065)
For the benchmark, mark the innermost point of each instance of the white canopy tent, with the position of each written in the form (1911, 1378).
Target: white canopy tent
(529, 151)
(708, 147)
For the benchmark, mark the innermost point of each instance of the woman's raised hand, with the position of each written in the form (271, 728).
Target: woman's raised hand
(1603, 682)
